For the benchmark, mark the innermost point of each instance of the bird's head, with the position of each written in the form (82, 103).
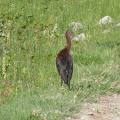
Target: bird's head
(69, 34)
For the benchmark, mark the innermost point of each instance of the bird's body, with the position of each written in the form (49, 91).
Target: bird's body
(64, 62)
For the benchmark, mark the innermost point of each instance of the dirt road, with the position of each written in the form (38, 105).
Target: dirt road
(106, 108)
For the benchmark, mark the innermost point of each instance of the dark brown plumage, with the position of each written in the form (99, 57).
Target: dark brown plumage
(64, 62)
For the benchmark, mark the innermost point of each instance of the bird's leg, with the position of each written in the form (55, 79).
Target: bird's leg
(69, 85)
(61, 83)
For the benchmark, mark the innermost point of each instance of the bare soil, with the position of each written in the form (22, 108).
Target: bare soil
(106, 108)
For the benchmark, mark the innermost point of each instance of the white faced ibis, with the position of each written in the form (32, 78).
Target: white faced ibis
(64, 62)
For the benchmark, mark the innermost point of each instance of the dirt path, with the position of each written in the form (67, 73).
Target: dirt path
(107, 108)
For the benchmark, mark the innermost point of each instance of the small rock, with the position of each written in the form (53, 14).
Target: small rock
(117, 25)
(69, 118)
(80, 37)
(107, 31)
(85, 117)
(105, 20)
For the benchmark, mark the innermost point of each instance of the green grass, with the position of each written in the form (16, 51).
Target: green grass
(29, 82)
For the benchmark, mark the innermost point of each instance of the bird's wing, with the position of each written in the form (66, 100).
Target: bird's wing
(69, 68)
(60, 65)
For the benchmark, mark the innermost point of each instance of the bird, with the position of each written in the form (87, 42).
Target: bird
(64, 61)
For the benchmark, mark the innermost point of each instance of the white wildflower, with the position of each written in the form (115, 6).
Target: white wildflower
(2, 34)
(53, 31)
(12, 6)
(55, 28)
(45, 31)
(36, 112)
(75, 26)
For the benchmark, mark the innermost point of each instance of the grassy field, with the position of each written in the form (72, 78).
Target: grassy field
(32, 34)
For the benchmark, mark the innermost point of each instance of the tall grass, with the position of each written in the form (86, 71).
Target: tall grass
(34, 33)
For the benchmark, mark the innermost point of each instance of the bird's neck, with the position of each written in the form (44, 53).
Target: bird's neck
(68, 42)
(68, 46)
